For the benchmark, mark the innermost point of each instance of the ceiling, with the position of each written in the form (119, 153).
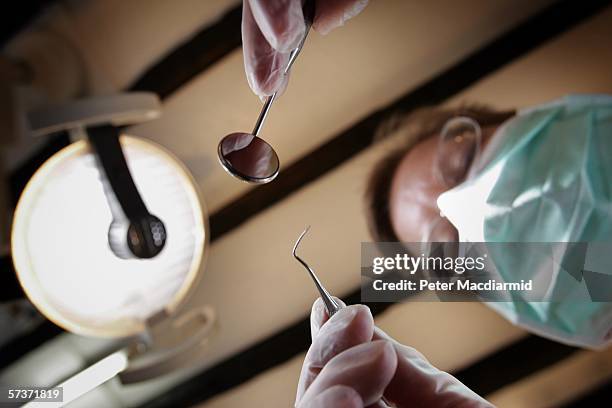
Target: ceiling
(396, 55)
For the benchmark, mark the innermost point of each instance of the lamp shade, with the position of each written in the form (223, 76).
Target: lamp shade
(60, 241)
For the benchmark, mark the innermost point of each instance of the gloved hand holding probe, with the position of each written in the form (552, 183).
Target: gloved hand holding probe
(344, 367)
(272, 28)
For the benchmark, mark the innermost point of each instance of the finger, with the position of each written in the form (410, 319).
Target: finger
(417, 383)
(331, 14)
(264, 66)
(349, 327)
(319, 315)
(366, 368)
(281, 22)
(338, 396)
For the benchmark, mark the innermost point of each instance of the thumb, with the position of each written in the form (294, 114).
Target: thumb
(349, 327)
(319, 315)
(264, 66)
(366, 368)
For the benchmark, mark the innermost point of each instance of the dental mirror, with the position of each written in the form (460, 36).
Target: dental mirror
(246, 156)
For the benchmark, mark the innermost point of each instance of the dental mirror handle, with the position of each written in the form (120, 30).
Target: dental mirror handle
(263, 114)
(308, 10)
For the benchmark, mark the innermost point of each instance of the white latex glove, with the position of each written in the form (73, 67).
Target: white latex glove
(272, 28)
(344, 367)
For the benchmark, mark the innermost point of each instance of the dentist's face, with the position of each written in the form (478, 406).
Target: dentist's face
(415, 189)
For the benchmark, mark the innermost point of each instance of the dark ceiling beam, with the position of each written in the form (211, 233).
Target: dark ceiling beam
(193, 57)
(19, 347)
(514, 362)
(10, 289)
(16, 15)
(601, 396)
(22, 174)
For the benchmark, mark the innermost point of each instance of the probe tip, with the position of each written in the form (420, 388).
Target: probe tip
(299, 240)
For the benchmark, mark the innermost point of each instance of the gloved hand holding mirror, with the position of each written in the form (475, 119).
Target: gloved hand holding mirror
(273, 34)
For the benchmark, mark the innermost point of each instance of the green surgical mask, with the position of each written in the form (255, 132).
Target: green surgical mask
(546, 176)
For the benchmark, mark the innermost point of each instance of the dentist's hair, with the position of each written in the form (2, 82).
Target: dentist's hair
(410, 129)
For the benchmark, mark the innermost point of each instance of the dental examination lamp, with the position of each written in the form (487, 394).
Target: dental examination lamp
(110, 234)
(134, 231)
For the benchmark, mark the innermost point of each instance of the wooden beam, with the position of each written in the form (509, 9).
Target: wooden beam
(193, 57)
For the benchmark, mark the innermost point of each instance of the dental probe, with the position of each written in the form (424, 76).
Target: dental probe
(330, 303)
